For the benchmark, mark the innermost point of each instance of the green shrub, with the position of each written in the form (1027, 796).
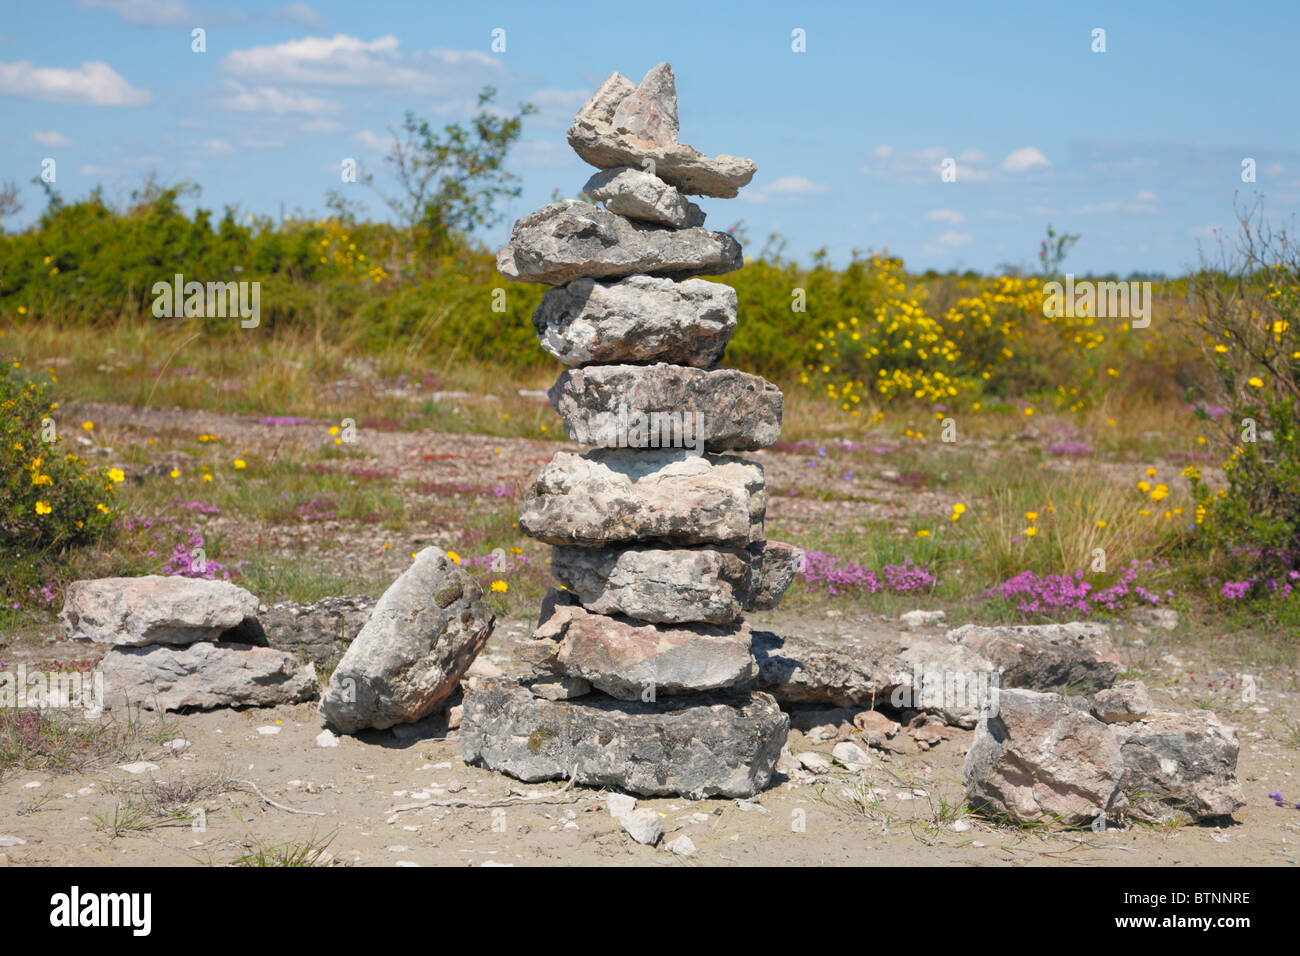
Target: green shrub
(49, 499)
(1247, 328)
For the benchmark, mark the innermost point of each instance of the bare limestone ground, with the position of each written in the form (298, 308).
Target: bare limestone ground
(907, 809)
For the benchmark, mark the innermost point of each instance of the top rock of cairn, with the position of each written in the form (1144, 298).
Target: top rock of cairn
(626, 125)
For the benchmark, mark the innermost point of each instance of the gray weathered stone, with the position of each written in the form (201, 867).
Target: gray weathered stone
(660, 585)
(594, 137)
(560, 687)
(421, 638)
(889, 670)
(1040, 758)
(776, 565)
(624, 658)
(154, 609)
(707, 745)
(566, 240)
(1179, 764)
(204, 675)
(641, 406)
(636, 194)
(612, 496)
(650, 111)
(1047, 657)
(1121, 703)
(643, 825)
(318, 631)
(637, 319)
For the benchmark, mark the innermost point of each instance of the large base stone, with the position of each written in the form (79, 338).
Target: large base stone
(204, 675)
(708, 745)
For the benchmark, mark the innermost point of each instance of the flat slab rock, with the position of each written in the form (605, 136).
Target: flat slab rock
(696, 746)
(204, 675)
(637, 319)
(569, 239)
(613, 496)
(1046, 657)
(895, 670)
(671, 585)
(153, 609)
(318, 631)
(606, 134)
(421, 638)
(644, 406)
(637, 194)
(628, 659)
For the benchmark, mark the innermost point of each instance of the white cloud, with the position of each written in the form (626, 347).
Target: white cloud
(925, 165)
(1027, 157)
(372, 140)
(94, 83)
(945, 215)
(954, 239)
(1146, 196)
(51, 138)
(343, 60)
(89, 170)
(217, 147)
(301, 14)
(268, 99)
(149, 13)
(787, 188)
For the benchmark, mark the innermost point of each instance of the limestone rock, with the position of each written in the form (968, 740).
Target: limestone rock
(612, 496)
(643, 825)
(624, 658)
(637, 319)
(318, 631)
(1042, 757)
(595, 138)
(636, 194)
(890, 670)
(154, 609)
(204, 675)
(776, 564)
(660, 585)
(1122, 703)
(566, 240)
(640, 406)
(421, 638)
(1179, 763)
(1046, 657)
(697, 746)
(650, 111)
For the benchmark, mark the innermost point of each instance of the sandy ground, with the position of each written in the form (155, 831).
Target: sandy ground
(361, 796)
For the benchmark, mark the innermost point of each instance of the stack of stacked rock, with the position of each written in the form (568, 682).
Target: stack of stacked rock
(644, 660)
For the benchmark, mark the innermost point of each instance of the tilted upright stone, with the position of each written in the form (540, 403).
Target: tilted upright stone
(657, 539)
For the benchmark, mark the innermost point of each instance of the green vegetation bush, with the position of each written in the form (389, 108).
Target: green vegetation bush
(49, 498)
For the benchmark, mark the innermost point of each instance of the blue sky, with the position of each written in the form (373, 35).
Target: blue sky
(1138, 149)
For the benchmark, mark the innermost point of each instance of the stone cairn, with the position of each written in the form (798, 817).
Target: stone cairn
(644, 663)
